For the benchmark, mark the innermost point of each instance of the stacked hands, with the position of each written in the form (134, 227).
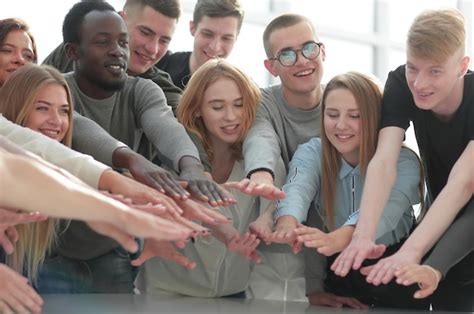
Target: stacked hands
(167, 224)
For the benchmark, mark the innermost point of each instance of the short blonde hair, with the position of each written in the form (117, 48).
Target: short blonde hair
(193, 97)
(437, 34)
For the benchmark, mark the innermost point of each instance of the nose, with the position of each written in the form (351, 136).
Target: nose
(300, 59)
(420, 82)
(118, 51)
(216, 46)
(19, 58)
(341, 123)
(54, 117)
(230, 114)
(153, 47)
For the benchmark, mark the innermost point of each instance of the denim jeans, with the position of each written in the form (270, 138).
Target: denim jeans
(109, 273)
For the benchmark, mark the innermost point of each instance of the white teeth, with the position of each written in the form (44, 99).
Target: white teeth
(343, 136)
(304, 73)
(50, 133)
(115, 67)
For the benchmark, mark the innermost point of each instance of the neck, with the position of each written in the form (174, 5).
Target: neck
(222, 163)
(193, 64)
(303, 101)
(90, 89)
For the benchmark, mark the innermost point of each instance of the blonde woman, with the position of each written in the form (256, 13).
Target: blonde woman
(330, 172)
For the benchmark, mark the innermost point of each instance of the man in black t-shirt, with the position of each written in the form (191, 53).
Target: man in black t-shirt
(435, 91)
(215, 27)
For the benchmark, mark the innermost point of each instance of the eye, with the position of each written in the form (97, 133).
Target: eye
(217, 108)
(354, 116)
(28, 56)
(207, 34)
(123, 43)
(64, 110)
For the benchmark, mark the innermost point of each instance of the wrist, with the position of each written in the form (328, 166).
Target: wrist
(261, 172)
(436, 272)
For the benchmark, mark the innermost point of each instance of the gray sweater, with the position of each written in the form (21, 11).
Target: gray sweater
(278, 130)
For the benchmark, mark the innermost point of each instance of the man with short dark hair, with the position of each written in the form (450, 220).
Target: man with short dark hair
(215, 27)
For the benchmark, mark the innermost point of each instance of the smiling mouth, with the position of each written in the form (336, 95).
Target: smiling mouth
(144, 57)
(230, 129)
(50, 133)
(304, 73)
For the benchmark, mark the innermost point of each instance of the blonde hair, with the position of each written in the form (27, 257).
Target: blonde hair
(17, 97)
(437, 34)
(19, 93)
(193, 97)
(368, 97)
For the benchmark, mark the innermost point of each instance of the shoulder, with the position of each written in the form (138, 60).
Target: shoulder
(310, 148)
(408, 158)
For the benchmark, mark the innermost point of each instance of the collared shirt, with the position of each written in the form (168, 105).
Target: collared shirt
(303, 186)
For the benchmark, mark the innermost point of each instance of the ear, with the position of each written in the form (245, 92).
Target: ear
(464, 65)
(71, 51)
(192, 28)
(269, 66)
(323, 52)
(123, 15)
(198, 113)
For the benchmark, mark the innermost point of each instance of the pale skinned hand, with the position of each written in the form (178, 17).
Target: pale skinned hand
(355, 253)
(8, 219)
(194, 211)
(245, 245)
(16, 296)
(165, 250)
(262, 227)
(260, 184)
(285, 232)
(139, 193)
(332, 300)
(325, 243)
(385, 269)
(426, 276)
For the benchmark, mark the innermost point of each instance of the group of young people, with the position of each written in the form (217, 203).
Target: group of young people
(303, 190)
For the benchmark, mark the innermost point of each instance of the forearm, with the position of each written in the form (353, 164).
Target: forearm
(50, 193)
(456, 242)
(91, 139)
(189, 163)
(454, 196)
(380, 179)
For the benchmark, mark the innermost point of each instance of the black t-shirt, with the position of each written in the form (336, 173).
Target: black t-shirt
(177, 65)
(440, 142)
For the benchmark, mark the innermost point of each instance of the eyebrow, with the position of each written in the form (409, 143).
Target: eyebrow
(291, 48)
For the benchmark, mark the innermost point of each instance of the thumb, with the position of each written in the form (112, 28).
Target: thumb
(145, 256)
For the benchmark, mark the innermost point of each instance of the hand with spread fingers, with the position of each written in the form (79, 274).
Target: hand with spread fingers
(259, 185)
(325, 243)
(425, 276)
(16, 295)
(8, 220)
(165, 250)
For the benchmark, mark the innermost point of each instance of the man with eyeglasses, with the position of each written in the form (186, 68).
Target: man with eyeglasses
(288, 115)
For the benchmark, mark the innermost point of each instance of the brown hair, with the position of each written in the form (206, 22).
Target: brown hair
(15, 24)
(193, 97)
(368, 97)
(169, 8)
(218, 8)
(282, 21)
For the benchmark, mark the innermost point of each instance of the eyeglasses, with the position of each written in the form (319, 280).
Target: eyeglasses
(288, 57)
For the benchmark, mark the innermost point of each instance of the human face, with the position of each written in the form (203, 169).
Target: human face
(436, 86)
(50, 112)
(222, 111)
(102, 54)
(305, 75)
(150, 35)
(214, 37)
(342, 124)
(15, 52)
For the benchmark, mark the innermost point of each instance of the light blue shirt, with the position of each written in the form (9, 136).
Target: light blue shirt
(303, 186)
